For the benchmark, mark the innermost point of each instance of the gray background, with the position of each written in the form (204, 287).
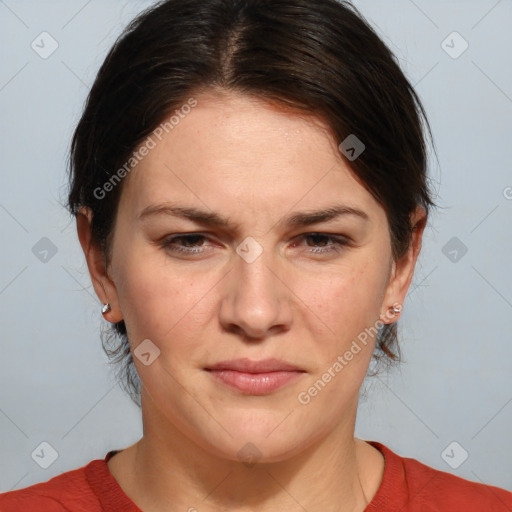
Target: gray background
(456, 383)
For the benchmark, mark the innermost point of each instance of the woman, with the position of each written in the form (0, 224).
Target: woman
(249, 181)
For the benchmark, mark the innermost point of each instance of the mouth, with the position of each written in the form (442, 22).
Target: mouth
(255, 377)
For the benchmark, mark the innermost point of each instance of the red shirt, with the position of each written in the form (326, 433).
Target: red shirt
(407, 486)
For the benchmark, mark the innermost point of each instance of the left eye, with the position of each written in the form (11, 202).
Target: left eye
(337, 242)
(194, 243)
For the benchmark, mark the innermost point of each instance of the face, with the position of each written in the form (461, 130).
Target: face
(256, 286)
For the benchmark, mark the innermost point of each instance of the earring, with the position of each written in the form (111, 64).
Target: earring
(395, 308)
(106, 308)
(392, 311)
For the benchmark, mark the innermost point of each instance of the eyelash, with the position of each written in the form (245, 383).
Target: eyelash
(337, 246)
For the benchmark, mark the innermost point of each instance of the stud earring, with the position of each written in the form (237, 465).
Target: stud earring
(395, 308)
(392, 311)
(106, 308)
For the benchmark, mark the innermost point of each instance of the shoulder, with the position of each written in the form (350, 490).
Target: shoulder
(415, 486)
(450, 492)
(68, 491)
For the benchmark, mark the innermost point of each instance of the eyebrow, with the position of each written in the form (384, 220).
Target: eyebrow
(215, 220)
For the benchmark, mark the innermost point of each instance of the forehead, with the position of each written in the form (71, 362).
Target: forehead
(236, 152)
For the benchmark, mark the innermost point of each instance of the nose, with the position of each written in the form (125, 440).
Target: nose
(256, 300)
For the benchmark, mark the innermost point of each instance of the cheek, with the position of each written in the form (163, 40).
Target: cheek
(343, 300)
(159, 300)
(344, 307)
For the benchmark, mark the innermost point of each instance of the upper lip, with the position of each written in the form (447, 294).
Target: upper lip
(249, 366)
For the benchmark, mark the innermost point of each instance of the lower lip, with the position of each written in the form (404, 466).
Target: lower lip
(255, 383)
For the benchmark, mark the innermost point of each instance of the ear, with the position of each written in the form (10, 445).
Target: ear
(103, 285)
(403, 269)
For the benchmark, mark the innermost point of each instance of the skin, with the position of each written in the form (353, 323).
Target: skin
(255, 163)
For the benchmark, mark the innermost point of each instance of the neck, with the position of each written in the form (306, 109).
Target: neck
(167, 470)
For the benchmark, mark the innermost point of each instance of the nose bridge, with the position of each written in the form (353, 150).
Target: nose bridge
(253, 266)
(255, 300)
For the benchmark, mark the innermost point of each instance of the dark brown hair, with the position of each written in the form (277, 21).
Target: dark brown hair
(319, 57)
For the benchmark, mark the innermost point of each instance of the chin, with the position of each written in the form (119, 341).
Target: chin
(253, 439)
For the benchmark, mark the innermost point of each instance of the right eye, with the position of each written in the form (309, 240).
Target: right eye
(188, 244)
